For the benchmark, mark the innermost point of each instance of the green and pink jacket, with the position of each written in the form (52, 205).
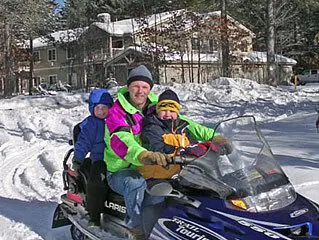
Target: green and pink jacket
(122, 131)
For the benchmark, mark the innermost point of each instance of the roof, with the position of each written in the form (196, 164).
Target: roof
(238, 24)
(119, 28)
(62, 36)
(132, 25)
(245, 57)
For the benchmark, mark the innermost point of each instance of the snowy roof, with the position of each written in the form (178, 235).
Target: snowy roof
(118, 28)
(131, 25)
(62, 36)
(252, 57)
(262, 58)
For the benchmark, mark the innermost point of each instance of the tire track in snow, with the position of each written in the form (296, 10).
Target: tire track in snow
(13, 164)
(20, 176)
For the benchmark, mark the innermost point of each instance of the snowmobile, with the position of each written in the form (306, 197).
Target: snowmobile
(242, 195)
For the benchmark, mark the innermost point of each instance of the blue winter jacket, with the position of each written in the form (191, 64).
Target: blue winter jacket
(91, 137)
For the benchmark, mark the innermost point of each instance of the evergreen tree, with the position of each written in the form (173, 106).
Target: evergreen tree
(81, 13)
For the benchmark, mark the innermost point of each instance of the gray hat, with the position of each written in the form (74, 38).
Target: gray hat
(140, 73)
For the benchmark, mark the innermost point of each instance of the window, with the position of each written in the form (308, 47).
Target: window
(313, 71)
(213, 46)
(69, 53)
(36, 56)
(52, 79)
(195, 44)
(117, 43)
(36, 81)
(51, 55)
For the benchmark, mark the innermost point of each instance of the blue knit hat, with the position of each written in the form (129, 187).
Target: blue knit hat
(140, 73)
(99, 96)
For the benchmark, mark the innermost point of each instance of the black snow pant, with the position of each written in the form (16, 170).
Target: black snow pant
(96, 190)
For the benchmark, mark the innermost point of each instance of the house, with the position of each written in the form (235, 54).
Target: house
(57, 58)
(118, 46)
(178, 46)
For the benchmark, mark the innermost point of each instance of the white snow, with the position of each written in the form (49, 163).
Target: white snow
(34, 133)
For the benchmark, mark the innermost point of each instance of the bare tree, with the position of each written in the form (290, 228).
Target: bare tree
(30, 19)
(271, 64)
(224, 40)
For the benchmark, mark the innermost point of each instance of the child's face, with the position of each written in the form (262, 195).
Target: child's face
(101, 111)
(167, 114)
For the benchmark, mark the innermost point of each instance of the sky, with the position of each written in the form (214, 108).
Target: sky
(60, 2)
(34, 133)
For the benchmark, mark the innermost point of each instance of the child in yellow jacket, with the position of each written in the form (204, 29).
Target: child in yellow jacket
(170, 132)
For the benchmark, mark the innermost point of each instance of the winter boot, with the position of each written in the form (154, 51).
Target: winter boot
(137, 234)
(94, 221)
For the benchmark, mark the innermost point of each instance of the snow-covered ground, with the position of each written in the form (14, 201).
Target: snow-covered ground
(34, 133)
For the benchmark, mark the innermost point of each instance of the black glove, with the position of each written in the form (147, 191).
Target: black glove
(76, 166)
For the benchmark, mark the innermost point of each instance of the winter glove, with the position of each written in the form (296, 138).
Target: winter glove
(81, 167)
(224, 145)
(76, 166)
(148, 157)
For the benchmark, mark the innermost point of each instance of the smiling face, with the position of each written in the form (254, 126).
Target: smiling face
(139, 91)
(167, 114)
(101, 111)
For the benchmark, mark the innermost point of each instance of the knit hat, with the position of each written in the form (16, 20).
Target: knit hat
(168, 100)
(140, 73)
(99, 96)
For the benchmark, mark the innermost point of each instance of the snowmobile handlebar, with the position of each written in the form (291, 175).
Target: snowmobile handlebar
(182, 160)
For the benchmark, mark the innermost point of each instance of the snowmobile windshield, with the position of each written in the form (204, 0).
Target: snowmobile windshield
(249, 173)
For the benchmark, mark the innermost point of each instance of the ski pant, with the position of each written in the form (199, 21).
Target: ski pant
(96, 190)
(131, 185)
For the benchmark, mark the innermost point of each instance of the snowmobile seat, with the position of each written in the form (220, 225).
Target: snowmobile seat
(75, 134)
(75, 185)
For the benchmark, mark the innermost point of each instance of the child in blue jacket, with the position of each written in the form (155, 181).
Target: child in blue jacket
(91, 140)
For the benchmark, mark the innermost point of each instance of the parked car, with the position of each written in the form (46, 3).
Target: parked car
(307, 76)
